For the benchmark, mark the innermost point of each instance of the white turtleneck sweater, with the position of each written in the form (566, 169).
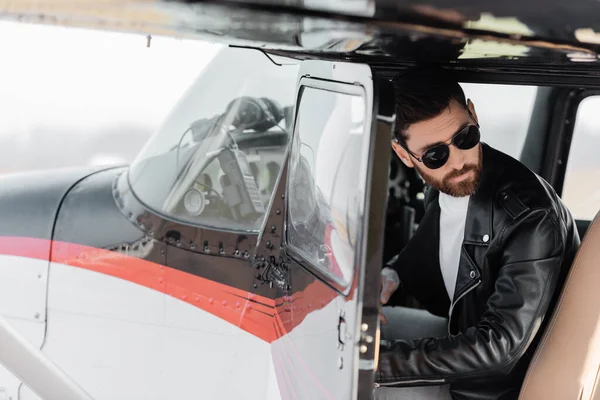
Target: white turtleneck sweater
(453, 215)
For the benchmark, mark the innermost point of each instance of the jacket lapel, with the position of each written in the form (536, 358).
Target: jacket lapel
(478, 227)
(420, 262)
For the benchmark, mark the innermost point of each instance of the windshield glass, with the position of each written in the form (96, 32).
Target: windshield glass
(328, 165)
(215, 160)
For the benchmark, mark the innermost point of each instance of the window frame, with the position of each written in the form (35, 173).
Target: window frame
(563, 139)
(343, 88)
(314, 75)
(558, 148)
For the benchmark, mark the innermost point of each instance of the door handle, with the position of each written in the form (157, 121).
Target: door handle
(341, 332)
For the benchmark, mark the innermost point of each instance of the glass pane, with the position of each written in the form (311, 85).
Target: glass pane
(581, 190)
(216, 158)
(504, 112)
(327, 179)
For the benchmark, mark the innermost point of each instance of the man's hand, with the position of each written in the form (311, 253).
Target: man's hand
(389, 283)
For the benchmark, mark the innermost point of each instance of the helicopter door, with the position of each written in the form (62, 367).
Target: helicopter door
(326, 317)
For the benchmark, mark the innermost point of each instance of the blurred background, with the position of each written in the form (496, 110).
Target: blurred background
(71, 97)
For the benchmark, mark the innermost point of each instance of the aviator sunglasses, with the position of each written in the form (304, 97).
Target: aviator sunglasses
(437, 155)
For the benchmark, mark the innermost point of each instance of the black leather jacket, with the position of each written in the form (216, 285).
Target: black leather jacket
(519, 243)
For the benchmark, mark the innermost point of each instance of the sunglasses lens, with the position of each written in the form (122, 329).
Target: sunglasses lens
(467, 138)
(437, 156)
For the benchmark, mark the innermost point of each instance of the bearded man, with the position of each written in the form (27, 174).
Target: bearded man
(486, 263)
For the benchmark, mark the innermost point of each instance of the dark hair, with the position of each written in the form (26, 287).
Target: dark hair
(421, 94)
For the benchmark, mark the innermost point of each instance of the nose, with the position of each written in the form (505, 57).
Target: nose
(456, 160)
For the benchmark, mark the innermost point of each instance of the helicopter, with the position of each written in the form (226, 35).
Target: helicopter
(239, 254)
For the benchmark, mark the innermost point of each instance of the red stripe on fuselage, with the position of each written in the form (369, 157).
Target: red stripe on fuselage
(253, 313)
(25, 247)
(248, 311)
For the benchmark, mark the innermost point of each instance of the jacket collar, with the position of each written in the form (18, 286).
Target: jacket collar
(478, 226)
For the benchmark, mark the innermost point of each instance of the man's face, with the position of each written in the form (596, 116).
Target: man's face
(460, 175)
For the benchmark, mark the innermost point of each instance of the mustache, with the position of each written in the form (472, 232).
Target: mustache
(463, 170)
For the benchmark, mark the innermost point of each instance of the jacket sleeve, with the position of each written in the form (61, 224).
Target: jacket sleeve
(531, 253)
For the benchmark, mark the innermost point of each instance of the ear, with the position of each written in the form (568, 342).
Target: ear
(471, 108)
(402, 154)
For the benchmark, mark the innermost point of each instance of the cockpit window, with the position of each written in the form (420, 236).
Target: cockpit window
(216, 159)
(328, 172)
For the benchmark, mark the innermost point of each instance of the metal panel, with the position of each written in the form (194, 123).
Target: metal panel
(316, 353)
(77, 291)
(514, 31)
(23, 284)
(308, 360)
(29, 201)
(23, 288)
(367, 328)
(117, 344)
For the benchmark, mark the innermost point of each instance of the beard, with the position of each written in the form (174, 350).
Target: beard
(465, 187)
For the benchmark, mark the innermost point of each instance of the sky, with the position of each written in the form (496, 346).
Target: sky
(74, 78)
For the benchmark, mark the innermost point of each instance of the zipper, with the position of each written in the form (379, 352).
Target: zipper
(457, 300)
(417, 381)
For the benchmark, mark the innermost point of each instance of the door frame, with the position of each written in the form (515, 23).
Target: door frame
(369, 282)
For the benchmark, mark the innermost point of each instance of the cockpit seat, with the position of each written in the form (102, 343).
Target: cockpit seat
(566, 365)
